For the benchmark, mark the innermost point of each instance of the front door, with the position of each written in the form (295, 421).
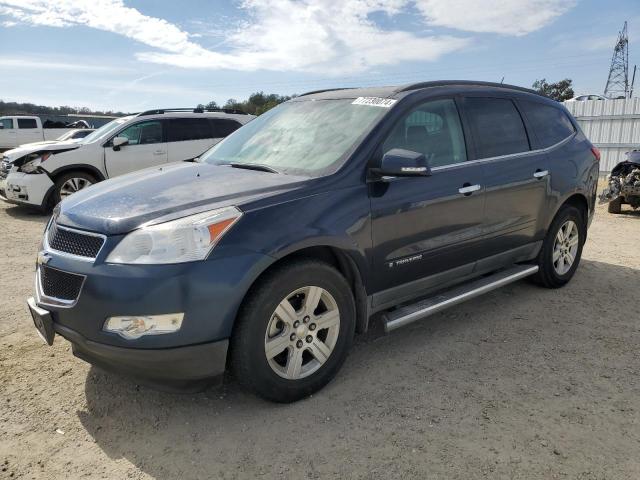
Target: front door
(9, 135)
(516, 177)
(146, 148)
(426, 225)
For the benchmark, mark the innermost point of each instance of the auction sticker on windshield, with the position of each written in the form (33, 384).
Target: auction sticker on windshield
(374, 102)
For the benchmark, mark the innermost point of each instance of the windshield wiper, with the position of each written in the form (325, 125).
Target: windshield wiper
(252, 166)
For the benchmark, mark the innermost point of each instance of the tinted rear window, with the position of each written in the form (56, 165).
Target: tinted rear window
(223, 128)
(550, 124)
(27, 123)
(181, 129)
(497, 127)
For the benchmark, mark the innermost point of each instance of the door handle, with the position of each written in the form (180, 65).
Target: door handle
(540, 173)
(159, 152)
(468, 189)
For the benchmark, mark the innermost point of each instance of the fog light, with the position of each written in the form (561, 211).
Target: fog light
(137, 326)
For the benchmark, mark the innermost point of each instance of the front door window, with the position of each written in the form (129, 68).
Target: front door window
(432, 128)
(143, 133)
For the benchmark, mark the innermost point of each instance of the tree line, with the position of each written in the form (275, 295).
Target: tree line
(17, 108)
(256, 104)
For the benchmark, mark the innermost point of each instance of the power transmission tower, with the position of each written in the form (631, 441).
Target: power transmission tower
(618, 81)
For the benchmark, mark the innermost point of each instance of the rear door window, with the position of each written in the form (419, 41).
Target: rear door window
(27, 123)
(551, 125)
(497, 127)
(6, 122)
(222, 127)
(185, 129)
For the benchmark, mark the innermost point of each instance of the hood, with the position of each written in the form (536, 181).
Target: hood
(157, 195)
(26, 149)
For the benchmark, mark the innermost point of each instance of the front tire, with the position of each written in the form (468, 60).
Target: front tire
(70, 183)
(562, 248)
(294, 331)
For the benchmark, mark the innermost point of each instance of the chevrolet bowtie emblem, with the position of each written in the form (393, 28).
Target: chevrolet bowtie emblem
(43, 258)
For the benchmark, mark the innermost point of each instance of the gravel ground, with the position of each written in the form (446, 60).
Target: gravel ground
(521, 383)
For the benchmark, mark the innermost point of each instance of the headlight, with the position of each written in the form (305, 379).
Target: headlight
(184, 240)
(32, 164)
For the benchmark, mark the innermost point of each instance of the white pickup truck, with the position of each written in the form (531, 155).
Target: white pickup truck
(17, 130)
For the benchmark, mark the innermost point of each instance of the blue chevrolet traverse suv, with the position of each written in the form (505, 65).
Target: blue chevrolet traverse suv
(266, 255)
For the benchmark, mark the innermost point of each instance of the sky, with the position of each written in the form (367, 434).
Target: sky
(131, 55)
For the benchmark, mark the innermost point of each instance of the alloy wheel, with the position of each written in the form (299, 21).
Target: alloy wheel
(565, 247)
(73, 185)
(302, 332)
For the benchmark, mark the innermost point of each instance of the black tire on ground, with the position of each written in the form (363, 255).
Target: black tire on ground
(547, 275)
(615, 206)
(248, 360)
(56, 196)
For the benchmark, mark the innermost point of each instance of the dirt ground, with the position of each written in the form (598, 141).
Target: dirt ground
(522, 383)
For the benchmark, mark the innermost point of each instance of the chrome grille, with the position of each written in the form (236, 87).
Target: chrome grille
(60, 285)
(74, 242)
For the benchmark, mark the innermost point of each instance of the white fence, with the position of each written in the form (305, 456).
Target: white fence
(612, 125)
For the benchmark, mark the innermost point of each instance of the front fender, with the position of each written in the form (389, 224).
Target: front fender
(338, 219)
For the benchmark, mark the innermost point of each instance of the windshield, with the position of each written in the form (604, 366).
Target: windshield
(104, 130)
(300, 137)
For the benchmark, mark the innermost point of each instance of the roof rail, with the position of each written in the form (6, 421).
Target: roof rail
(160, 111)
(325, 90)
(443, 83)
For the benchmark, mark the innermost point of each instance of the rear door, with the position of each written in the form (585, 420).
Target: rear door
(189, 138)
(516, 177)
(551, 131)
(146, 148)
(28, 131)
(423, 226)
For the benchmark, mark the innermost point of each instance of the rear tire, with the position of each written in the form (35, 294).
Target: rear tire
(561, 250)
(69, 183)
(615, 206)
(282, 362)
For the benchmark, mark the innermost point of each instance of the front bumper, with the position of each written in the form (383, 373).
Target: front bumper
(208, 292)
(162, 367)
(27, 188)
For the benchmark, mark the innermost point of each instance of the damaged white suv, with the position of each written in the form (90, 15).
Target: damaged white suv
(43, 177)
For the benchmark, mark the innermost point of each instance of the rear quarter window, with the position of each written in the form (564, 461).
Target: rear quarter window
(551, 125)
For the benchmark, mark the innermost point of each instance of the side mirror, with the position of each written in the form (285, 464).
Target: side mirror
(118, 142)
(403, 163)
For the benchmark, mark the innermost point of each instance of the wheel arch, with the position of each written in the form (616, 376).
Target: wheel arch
(78, 167)
(338, 258)
(577, 200)
(91, 170)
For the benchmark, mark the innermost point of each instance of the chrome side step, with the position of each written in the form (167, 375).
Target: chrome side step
(424, 308)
